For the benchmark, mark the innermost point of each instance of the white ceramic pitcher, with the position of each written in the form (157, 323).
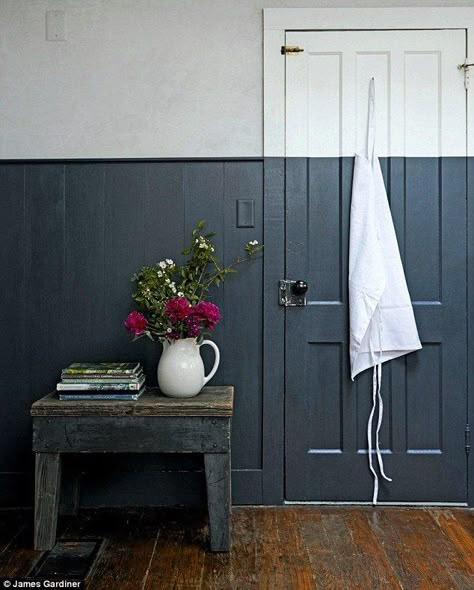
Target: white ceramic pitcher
(181, 370)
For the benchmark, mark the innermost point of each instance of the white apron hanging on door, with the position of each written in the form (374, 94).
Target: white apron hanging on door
(382, 324)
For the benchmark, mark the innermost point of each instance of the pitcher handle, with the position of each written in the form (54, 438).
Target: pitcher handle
(216, 362)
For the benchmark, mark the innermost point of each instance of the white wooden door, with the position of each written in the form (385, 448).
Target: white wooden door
(421, 136)
(420, 98)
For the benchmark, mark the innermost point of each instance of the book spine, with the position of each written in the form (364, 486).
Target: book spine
(80, 386)
(101, 396)
(98, 371)
(101, 381)
(101, 376)
(96, 394)
(94, 373)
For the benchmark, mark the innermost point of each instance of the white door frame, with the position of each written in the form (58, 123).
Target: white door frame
(279, 20)
(276, 22)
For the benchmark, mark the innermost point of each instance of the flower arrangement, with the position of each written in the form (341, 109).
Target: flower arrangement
(171, 298)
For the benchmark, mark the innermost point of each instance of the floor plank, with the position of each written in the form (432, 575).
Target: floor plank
(372, 555)
(272, 571)
(128, 542)
(236, 569)
(465, 519)
(243, 557)
(343, 550)
(181, 540)
(19, 557)
(260, 556)
(419, 554)
(459, 536)
(277, 565)
(281, 548)
(10, 523)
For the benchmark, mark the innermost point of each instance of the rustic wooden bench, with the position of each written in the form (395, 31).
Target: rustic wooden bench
(152, 424)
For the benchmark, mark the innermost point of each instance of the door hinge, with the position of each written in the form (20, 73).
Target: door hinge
(465, 67)
(291, 49)
(467, 439)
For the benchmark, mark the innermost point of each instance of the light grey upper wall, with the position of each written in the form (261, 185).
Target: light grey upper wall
(138, 78)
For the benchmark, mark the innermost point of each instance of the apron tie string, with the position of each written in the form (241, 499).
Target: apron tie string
(369, 435)
(376, 400)
(379, 422)
(377, 373)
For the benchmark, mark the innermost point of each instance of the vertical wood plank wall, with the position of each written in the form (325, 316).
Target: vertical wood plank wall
(73, 234)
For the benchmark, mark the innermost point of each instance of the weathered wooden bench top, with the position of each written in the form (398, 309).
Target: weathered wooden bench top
(212, 401)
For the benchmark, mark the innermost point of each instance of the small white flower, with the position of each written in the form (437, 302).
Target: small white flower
(169, 330)
(169, 261)
(163, 264)
(201, 246)
(196, 241)
(212, 249)
(167, 281)
(180, 294)
(172, 284)
(173, 289)
(159, 273)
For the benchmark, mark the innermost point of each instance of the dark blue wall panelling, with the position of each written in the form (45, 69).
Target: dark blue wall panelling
(73, 234)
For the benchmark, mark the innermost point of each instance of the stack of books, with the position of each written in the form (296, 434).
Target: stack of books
(110, 381)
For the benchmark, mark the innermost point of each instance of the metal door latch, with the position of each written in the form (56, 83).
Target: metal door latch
(291, 49)
(292, 293)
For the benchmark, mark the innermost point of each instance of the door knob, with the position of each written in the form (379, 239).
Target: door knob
(299, 287)
(292, 293)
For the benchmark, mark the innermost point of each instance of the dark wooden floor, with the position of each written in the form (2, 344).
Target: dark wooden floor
(286, 547)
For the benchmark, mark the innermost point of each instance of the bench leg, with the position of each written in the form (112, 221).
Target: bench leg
(217, 467)
(70, 488)
(47, 491)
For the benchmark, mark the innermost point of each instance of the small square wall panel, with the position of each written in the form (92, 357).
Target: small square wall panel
(55, 25)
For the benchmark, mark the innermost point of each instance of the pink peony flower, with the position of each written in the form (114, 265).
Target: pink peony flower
(136, 322)
(173, 335)
(208, 313)
(177, 309)
(194, 329)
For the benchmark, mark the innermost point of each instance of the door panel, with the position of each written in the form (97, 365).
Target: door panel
(420, 93)
(422, 436)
